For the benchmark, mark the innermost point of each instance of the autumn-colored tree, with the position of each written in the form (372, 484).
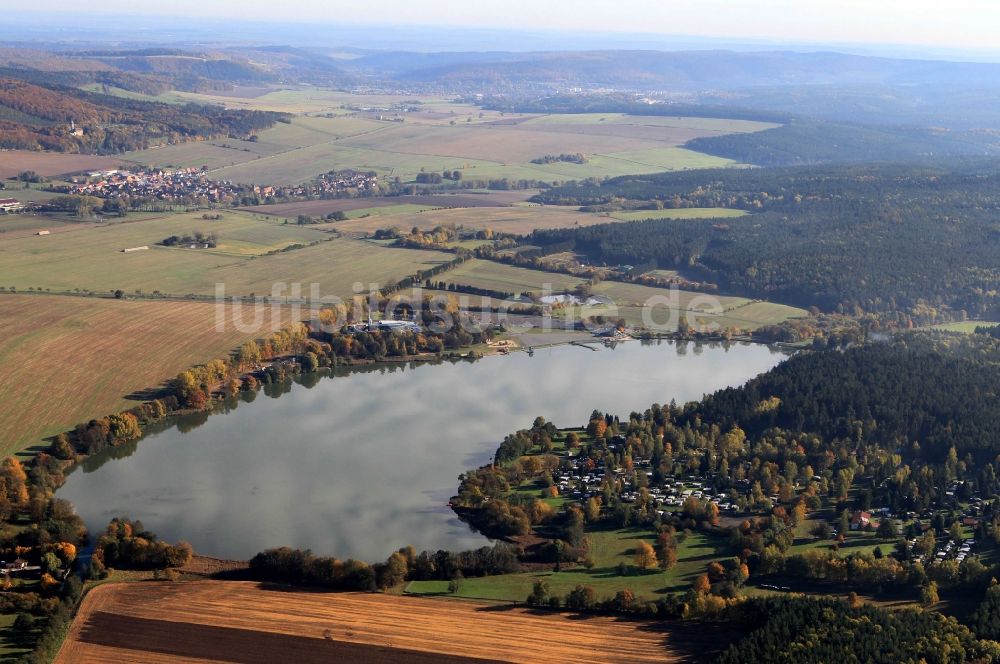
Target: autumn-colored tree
(197, 400)
(66, 551)
(712, 514)
(394, 572)
(61, 448)
(668, 557)
(645, 556)
(49, 583)
(624, 600)
(597, 427)
(13, 486)
(539, 594)
(124, 427)
(929, 593)
(716, 572)
(702, 585)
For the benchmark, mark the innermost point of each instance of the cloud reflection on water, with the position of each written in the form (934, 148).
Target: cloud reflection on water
(359, 465)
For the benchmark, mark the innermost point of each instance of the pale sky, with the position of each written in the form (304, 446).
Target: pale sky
(961, 24)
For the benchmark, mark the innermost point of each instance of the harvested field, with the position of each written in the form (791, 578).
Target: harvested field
(232, 621)
(48, 164)
(325, 207)
(69, 359)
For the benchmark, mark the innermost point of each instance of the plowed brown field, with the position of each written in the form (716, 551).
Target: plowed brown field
(229, 621)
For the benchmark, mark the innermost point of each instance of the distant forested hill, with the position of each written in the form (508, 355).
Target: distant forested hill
(885, 238)
(33, 117)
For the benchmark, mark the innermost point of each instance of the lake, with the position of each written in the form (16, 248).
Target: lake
(359, 463)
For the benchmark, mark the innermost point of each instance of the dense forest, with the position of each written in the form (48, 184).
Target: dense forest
(829, 630)
(939, 392)
(812, 142)
(33, 117)
(877, 238)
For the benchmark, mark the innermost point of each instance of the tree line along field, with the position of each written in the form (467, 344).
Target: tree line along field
(246, 622)
(90, 257)
(70, 359)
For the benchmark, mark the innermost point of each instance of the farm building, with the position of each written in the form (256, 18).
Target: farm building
(860, 520)
(10, 205)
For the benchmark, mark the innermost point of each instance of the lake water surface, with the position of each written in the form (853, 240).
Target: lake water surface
(361, 463)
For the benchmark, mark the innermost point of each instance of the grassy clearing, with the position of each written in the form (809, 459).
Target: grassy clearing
(756, 314)
(683, 213)
(89, 257)
(608, 549)
(69, 359)
(968, 326)
(638, 294)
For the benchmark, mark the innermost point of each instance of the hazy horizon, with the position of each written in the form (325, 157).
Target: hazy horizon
(892, 29)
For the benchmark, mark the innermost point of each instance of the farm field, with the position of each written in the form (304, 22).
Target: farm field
(518, 220)
(440, 135)
(681, 213)
(17, 225)
(220, 154)
(242, 621)
(608, 549)
(32, 195)
(506, 278)
(89, 257)
(306, 100)
(701, 309)
(69, 359)
(48, 164)
(325, 207)
(720, 125)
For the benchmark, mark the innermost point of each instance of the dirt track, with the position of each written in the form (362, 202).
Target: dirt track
(229, 621)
